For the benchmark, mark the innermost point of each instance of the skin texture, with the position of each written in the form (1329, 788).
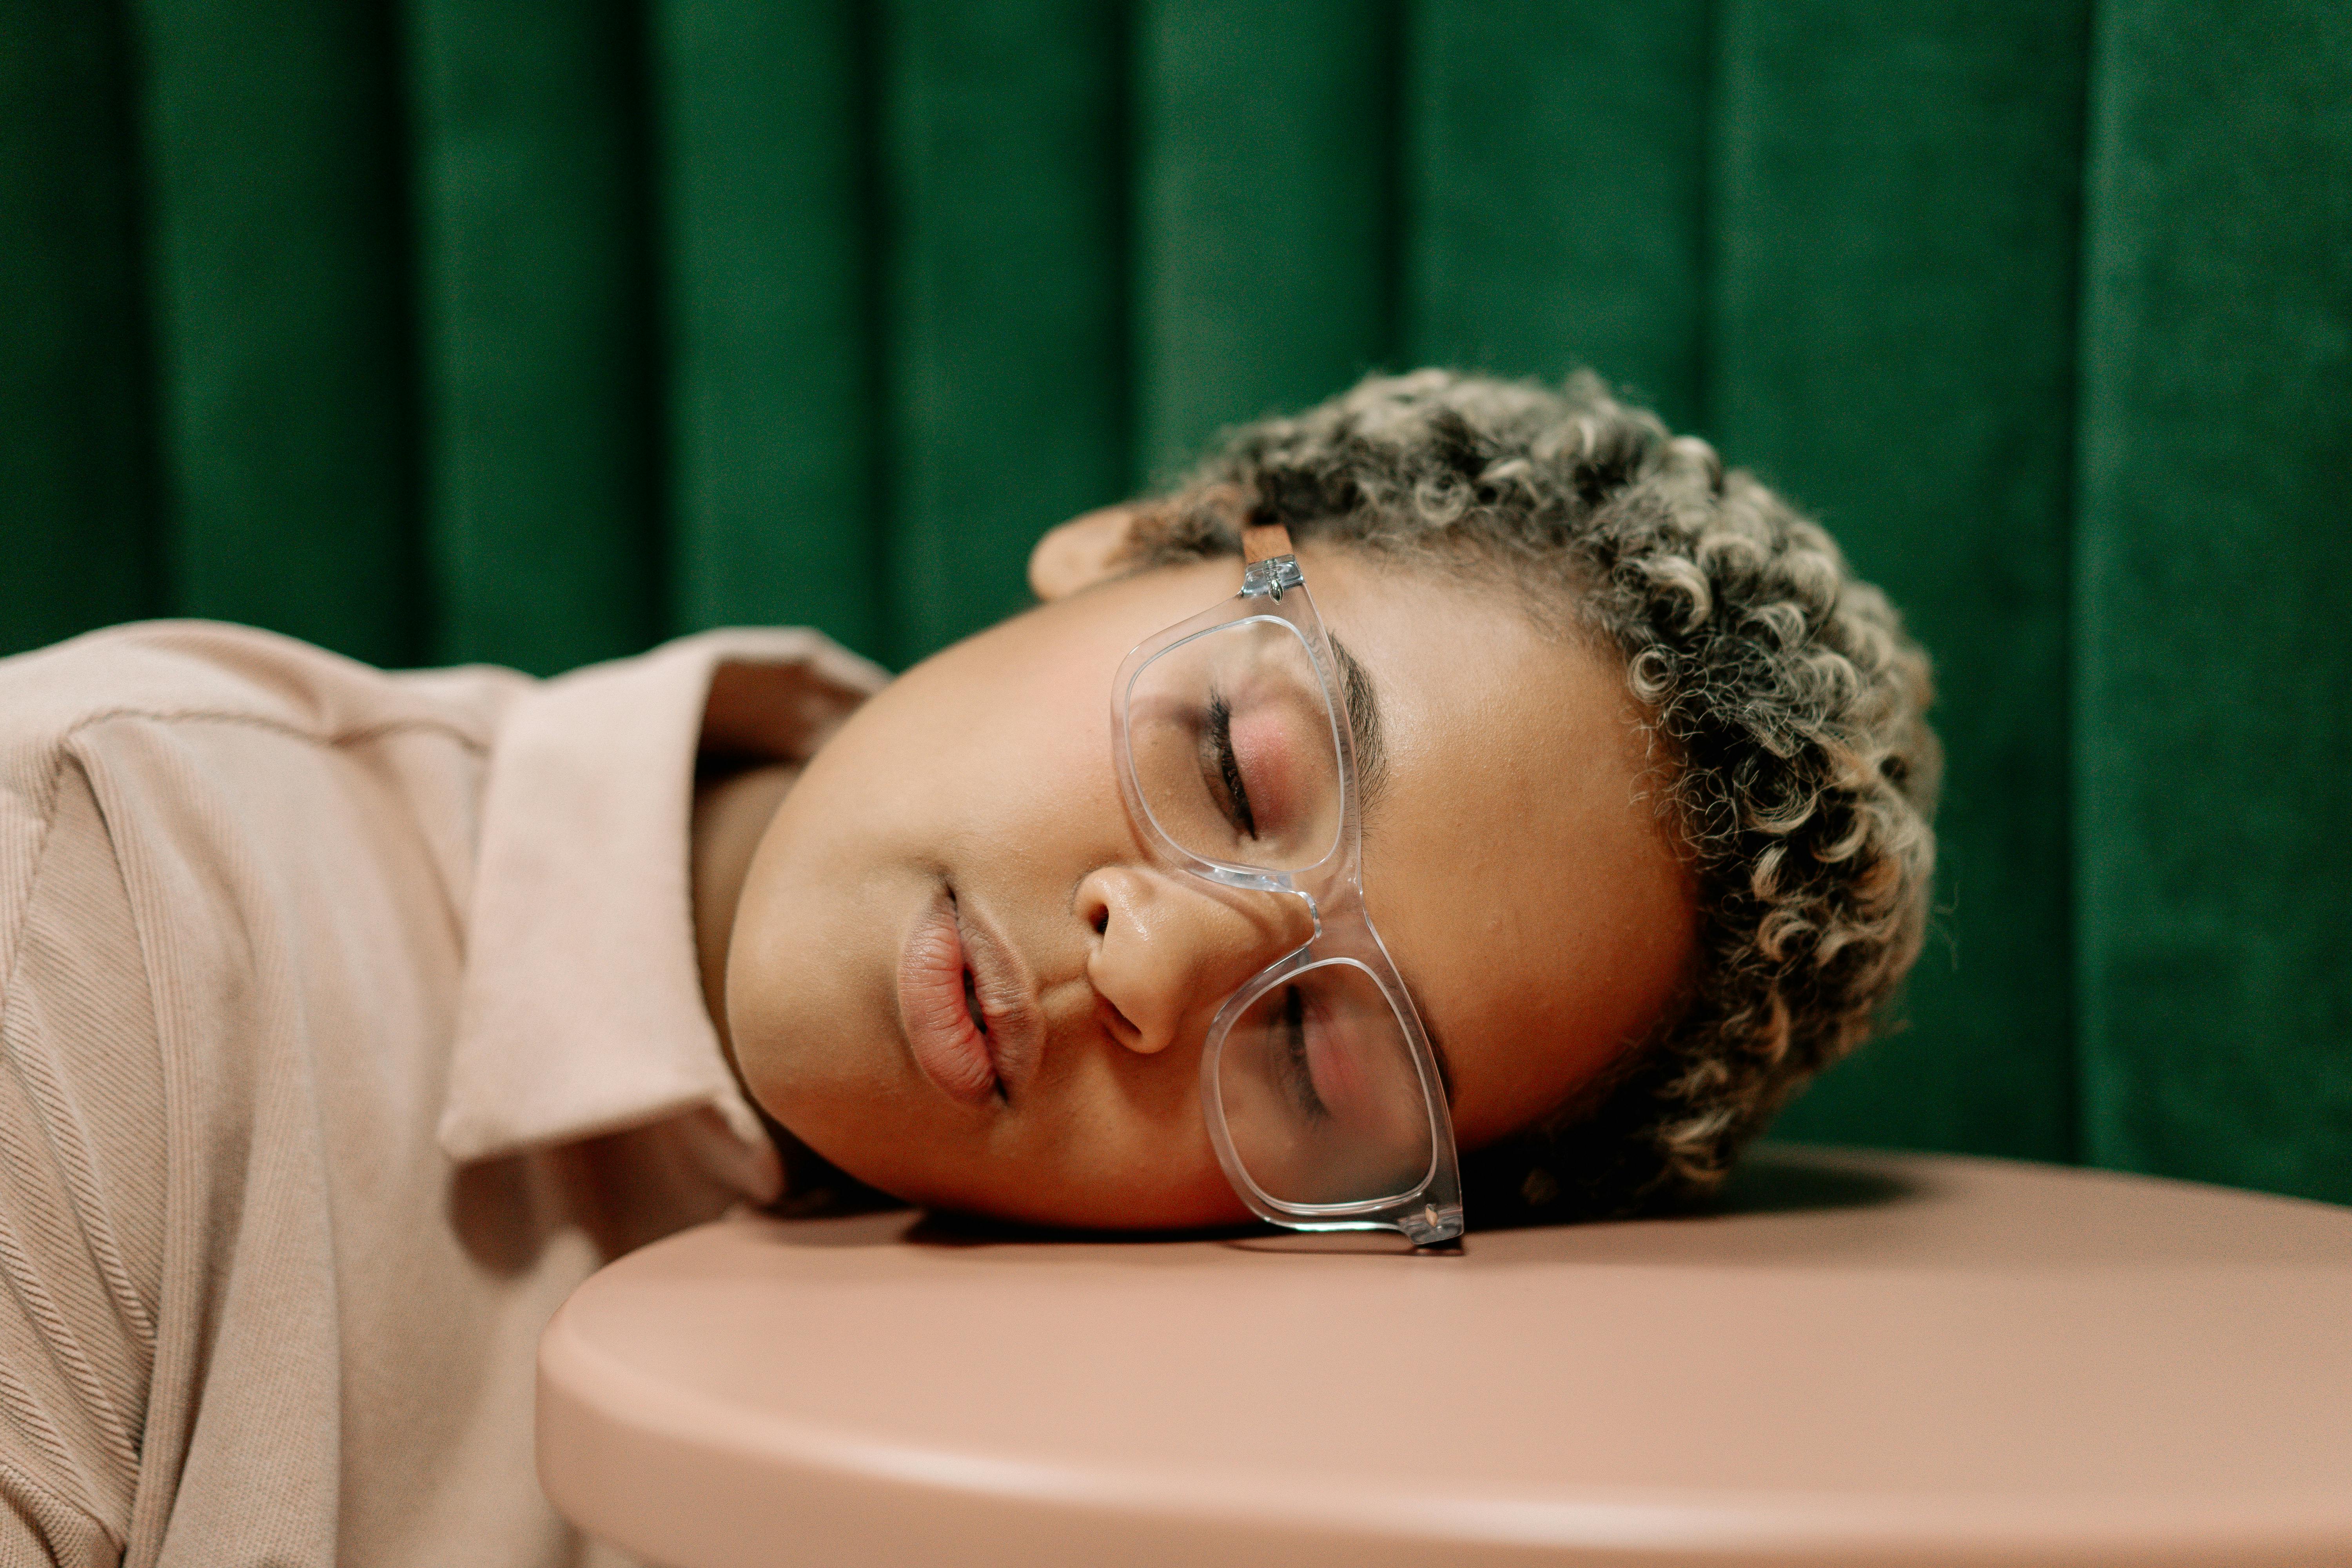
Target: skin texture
(1515, 864)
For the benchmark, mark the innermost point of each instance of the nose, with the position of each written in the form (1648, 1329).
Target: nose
(1168, 951)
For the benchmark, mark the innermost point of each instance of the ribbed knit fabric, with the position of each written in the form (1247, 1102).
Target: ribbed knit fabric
(255, 1309)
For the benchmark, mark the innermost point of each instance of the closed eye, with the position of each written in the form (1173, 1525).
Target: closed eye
(1294, 1065)
(1228, 781)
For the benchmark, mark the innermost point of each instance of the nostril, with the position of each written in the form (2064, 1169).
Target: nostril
(1122, 1028)
(1100, 919)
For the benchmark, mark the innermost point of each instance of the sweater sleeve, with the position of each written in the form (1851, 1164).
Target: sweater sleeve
(82, 1191)
(38, 1530)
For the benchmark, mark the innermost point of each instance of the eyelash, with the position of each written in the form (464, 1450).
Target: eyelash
(1229, 768)
(1294, 1056)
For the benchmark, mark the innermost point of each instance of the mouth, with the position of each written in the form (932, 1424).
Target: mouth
(969, 1021)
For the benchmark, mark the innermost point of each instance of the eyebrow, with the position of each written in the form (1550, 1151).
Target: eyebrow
(1363, 702)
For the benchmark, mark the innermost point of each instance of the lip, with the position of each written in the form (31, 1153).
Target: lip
(953, 964)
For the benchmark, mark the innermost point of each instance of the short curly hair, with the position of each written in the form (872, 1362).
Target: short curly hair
(1784, 699)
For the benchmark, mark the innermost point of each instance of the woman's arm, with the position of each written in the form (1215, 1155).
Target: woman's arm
(81, 1197)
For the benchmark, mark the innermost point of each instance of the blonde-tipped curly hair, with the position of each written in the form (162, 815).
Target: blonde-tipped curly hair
(1784, 699)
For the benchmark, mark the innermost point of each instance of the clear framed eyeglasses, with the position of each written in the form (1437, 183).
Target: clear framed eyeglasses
(1234, 753)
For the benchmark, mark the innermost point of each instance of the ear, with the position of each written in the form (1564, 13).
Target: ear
(1081, 553)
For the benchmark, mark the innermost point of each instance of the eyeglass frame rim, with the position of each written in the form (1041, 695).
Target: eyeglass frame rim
(1429, 1214)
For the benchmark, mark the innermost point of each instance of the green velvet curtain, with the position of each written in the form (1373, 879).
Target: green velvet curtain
(535, 331)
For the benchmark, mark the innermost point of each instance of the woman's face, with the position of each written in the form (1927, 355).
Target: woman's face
(965, 828)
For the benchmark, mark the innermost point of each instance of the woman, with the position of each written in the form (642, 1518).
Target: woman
(1535, 789)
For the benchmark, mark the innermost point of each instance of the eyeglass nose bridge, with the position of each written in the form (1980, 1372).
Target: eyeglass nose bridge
(1169, 950)
(1314, 921)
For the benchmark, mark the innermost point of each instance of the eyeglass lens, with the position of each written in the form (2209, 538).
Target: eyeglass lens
(1234, 740)
(1319, 1092)
(1236, 756)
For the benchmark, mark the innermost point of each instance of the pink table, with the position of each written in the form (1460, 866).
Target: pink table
(1872, 1359)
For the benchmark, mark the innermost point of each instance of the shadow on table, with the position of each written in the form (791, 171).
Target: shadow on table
(1775, 1181)
(1786, 1206)
(1767, 1181)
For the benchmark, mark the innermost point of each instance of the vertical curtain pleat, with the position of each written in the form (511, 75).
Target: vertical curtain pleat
(1557, 191)
(77, 542)
(1265, 180)
(2215, 657)
(1003, 156)
(1895, 233)
(536, 310)
(435, 330)
(764, 166)
(278, 269)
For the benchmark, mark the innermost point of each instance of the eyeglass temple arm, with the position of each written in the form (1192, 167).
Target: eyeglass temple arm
(1264, 542)
(1269, 565)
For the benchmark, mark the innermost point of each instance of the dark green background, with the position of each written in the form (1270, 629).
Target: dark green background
(535, 331)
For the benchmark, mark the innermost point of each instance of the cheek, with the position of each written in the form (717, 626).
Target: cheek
(990, 765)
(1024, 785)
(1543, 923)
(1037, 808)
(993, 742)
(1094, 1160)
(1558, 994)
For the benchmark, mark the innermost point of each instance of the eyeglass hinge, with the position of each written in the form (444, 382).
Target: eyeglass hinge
(1271, 576)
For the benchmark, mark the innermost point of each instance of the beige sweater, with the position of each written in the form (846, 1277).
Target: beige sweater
(348, 1020)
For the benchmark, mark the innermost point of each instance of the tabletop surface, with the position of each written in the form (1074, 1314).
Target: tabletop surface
(1858, 1358)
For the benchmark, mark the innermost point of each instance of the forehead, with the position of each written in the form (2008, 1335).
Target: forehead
(1516, 861)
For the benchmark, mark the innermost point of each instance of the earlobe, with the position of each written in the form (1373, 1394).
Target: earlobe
(1081, 553)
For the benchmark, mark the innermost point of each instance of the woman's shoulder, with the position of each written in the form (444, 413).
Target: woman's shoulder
(209, 671)
(204, 741)
(79, 699)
